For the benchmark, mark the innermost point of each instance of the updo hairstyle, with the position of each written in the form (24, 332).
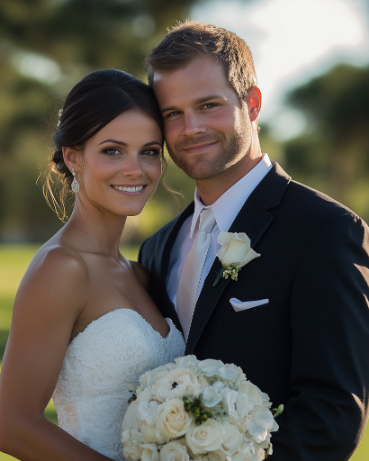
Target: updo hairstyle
(91, 104)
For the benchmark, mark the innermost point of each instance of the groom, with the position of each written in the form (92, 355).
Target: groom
(297, 318)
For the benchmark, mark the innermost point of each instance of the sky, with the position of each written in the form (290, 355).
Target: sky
(292, 41)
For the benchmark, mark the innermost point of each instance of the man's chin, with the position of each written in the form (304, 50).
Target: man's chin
(198, 173)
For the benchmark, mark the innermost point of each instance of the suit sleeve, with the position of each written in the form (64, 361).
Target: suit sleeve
(326, 418)
(141, 254)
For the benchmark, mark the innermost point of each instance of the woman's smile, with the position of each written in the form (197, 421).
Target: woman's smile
(129, 189)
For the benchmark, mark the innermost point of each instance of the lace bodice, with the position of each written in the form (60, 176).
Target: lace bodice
(91, 393)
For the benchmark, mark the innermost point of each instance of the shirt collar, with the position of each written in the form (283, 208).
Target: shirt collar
(228, 205)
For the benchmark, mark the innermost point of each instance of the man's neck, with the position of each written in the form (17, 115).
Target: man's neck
(211, 189)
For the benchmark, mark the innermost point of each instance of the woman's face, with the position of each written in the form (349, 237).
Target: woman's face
(120, 165)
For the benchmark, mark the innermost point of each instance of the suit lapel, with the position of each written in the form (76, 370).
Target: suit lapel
(254, 219)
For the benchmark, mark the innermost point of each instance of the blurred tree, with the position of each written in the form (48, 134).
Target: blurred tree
(333, 153)
(46, 46)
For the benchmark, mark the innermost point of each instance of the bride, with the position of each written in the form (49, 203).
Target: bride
(84, 325)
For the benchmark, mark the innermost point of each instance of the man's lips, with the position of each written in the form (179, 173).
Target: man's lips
(198, 147)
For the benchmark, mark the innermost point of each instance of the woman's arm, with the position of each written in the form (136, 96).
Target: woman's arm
(52, 294)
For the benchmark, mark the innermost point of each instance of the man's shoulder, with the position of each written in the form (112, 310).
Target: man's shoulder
(299, 197)
(305, 210)
(298, 205)
(313, 202)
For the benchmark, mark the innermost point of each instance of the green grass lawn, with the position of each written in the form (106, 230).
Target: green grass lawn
(14, 261)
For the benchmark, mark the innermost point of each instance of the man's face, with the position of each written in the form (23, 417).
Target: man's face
(207, 128)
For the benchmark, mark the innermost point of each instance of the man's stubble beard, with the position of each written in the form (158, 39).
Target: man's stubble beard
(231, 152)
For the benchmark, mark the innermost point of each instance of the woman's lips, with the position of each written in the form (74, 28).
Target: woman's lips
(129, 189)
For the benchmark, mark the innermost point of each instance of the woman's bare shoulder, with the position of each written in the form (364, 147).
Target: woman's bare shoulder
(142, 274)
(59, 258)
(55, 273)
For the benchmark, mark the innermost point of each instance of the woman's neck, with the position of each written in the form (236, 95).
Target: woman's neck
(92, 230)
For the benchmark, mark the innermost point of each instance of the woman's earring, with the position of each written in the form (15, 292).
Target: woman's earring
(75, 184)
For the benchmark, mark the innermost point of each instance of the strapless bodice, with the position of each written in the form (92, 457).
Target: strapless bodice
(91, 395)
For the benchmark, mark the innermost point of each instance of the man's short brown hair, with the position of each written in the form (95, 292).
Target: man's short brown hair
(192, 39)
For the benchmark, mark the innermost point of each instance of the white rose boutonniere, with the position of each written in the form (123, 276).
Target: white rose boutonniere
(235, 253)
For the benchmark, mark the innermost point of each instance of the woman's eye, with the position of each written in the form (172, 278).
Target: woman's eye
(111, 152)
(151, 152)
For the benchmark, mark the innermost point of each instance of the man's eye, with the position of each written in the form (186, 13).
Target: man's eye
(151, 152)
(209, 105)
(111, 152)
(172, 114)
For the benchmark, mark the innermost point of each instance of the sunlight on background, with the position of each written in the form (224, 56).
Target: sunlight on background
(37, 66)
(292, 41)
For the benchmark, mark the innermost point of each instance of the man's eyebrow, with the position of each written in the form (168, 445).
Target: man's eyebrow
(208, 98)
(196, 101)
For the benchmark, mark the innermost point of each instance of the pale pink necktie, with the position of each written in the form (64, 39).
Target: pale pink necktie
(192, 271)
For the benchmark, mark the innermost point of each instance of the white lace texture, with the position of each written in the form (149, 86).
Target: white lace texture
(91, 395)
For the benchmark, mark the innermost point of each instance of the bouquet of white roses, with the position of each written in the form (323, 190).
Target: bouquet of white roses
(198, 410)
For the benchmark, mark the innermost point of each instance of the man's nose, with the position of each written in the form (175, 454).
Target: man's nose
(193, 124)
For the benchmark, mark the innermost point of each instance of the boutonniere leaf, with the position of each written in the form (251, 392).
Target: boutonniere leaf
(234, 253)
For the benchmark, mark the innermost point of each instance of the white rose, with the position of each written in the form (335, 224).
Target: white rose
(132, 441)
(150, 452)
(206, 437)
(174, 451)
(173, 421)
(147, 411)
(236, 249)
(232, 439)
(177, 383)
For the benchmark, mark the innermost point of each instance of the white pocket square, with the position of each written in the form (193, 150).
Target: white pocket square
(240, 306)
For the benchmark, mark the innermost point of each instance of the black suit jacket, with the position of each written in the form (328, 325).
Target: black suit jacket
(309, 347)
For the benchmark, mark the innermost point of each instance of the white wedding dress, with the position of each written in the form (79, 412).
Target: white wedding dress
(91, 395)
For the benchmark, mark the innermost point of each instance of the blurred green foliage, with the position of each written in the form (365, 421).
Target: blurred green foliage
(332, 154)
(46, 46)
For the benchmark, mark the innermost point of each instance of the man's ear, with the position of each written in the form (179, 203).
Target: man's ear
(72, 158)
(253, 100)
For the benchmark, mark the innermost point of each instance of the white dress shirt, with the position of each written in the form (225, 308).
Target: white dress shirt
(225, 210)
